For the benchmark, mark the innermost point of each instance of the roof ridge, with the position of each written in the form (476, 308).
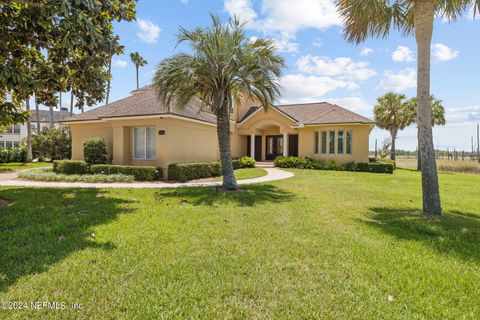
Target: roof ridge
(301, 104)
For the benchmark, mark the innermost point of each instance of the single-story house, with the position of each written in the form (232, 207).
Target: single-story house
(139, 130)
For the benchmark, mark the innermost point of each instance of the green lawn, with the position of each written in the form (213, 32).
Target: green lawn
(21, 166)
(247, 173)
(323, 244)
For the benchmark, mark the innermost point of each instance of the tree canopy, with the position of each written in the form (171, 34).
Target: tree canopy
(51, 46)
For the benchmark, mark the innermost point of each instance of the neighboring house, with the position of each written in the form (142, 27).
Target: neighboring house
(138, 130)
(13, 135)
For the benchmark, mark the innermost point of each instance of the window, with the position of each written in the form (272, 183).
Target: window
(324, 142)
(144, 143)
(315, 142)
(340, 141)
(16, 129)
(2, 144)
(349, 141)
(8, 144)
(16, 144)
(332, 142)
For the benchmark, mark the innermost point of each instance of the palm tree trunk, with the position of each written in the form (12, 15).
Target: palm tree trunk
(29, 133)
(109, 79)
(137, 76)
(223, 132)
(39, 131)
(52, 122)
(393, 154)
(71, 102)
(38, 116)
(423, 12)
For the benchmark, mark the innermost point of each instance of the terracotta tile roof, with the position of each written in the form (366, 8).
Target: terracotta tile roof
(321, 113)
(142, 102)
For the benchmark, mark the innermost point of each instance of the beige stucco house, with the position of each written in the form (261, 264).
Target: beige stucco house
(138, 130)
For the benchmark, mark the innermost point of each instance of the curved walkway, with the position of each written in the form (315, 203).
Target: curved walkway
(273, 174)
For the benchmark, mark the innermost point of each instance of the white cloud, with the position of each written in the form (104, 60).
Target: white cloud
(149, 31)
(302, 88)
(285, 43)
(355, 104)
(443, 53)
(342, 67)
(402, 54)
(317, 43)
(366, 51)
(119, 63)
(285, 17)
(184, 1)
(242, 9)
(400, 81)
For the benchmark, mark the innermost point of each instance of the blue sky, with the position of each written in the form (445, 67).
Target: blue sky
(321, 66)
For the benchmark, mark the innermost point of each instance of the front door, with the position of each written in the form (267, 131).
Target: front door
(258, 147)
(274, 147)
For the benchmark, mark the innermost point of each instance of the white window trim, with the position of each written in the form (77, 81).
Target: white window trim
(133, 144)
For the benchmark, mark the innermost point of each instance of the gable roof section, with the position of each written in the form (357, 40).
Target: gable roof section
(321, 113)
(143, 102)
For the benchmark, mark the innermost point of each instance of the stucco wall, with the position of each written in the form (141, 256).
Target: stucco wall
(360, 140)
(82, 131)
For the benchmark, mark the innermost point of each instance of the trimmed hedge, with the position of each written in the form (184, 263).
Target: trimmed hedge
(95, 151)
(140, 173)
(383, 160)
(307, 163)
(191, 171)
(46, 174)
(70, 167)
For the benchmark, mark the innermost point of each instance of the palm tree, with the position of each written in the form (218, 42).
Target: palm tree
(438, 117)
(375, 18)
(391, 113)
(224, 67)
(138, 61)
(29, 132)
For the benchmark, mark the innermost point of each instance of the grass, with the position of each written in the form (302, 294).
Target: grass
(467, 166)
(46, 174)
(12, 166)
(322, 245)
(246, 173)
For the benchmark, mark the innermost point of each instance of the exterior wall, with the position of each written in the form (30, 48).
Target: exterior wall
(82, 131)
(183, 141)
(360, 141)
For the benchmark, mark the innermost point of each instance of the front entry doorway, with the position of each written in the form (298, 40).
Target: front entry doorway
(274, 147)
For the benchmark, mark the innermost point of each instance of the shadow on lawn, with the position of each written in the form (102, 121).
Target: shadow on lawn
(248, 197)
(40, 227)
(455, 232)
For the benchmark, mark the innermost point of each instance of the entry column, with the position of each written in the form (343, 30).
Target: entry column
(285, 144)
(252, 146)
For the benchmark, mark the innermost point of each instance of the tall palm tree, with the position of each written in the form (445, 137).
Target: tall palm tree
(363, 18)
(438, 118)
(29, 131)
(391, 113)
(224, 67)
(138, 61)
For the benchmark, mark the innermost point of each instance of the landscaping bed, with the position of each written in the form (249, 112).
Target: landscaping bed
(47, 174)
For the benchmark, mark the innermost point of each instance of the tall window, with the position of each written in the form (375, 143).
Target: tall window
(8, 144)
(349, 141)
(16, 129)
(324, 142)
(332, 142)
(315, 142)
(340, 142)
(144, 143)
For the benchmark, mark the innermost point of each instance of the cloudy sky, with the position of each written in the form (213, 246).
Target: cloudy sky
(321, 66)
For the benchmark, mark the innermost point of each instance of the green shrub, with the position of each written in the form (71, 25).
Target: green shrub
(247, 162)
(95, 151)
(46, 174)
(70, 167)
(306, 163)
(190, 171)
(52, 143)
(383, 160)
(17, 154)
(145, 173)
